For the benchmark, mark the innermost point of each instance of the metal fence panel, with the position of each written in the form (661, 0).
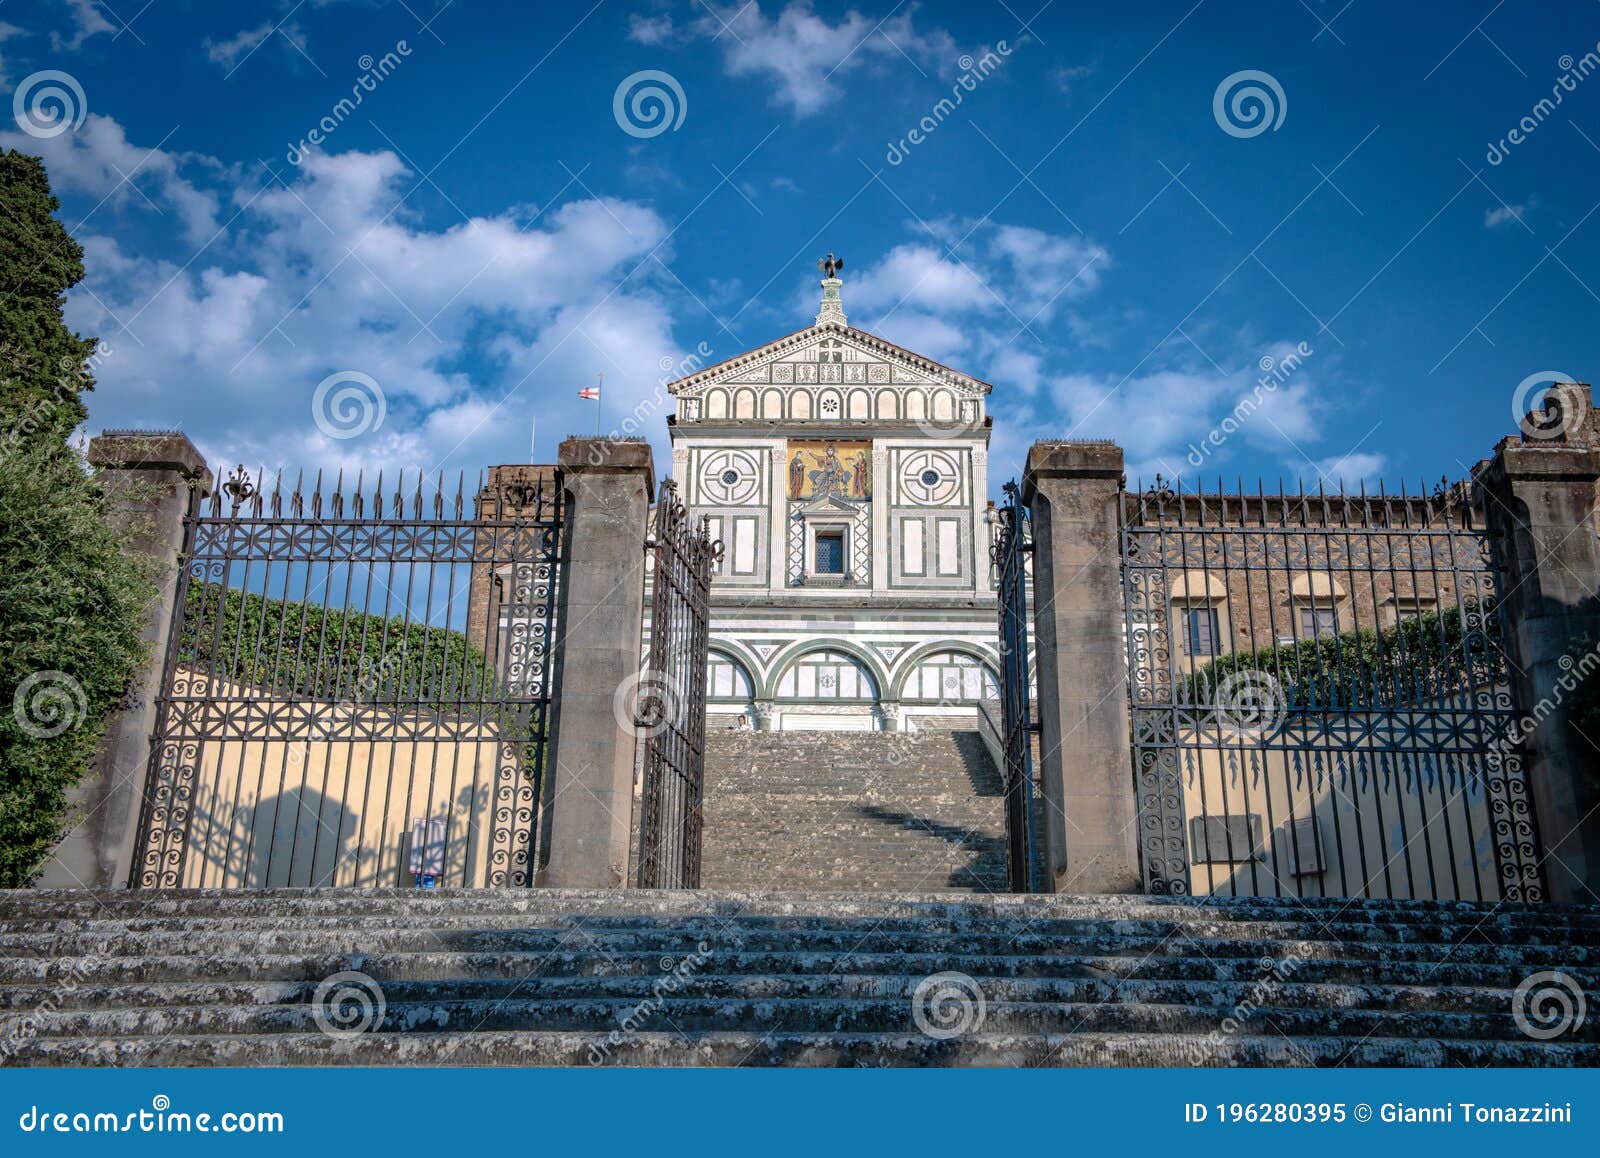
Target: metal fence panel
(356, 690)
(1321, 703)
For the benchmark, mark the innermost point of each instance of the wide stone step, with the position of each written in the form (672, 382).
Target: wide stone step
(1442, 921)
(696, 1014)
(823, 817)
(55, 936)
(63, 974)
(977, 873)
(281, 904)
(1059, 987)
(49, 934)
(520, 1048)
(1114, 938)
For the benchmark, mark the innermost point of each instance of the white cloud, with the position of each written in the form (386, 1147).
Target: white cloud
(650, 29)
(1195, 420)
(472, 331)
(931, 337)
(1066, 79)
(1505, 214)
(1049, 267)
(99, 160)
(229, 52)
(806, 58)
(1011, 270)
(1352, 468)
(87, 21)
(922, 277)
(1018, 369)
(980, 305)
(7, 31)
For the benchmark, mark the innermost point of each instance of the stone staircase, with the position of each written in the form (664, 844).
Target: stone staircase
(852, 811)
(554, 977)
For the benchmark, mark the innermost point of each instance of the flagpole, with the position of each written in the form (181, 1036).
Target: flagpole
(599, 393)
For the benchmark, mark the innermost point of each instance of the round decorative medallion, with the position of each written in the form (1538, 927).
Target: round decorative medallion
(930, 477)
(729, 478)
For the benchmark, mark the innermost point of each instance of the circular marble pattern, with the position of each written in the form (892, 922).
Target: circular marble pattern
(930, 477)
(729, 478)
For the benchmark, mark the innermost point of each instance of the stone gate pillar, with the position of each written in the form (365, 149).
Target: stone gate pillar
(599, 632)
(149, 478)
(1086, 762)
(1539, 493)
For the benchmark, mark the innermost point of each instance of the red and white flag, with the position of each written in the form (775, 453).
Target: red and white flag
(590, 392)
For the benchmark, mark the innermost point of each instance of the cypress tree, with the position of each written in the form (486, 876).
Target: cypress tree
(73, 597)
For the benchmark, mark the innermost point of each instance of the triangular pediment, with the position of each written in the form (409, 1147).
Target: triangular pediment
(826, 505)
(829, 354)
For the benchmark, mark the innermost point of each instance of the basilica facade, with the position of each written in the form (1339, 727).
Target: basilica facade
(847, 479)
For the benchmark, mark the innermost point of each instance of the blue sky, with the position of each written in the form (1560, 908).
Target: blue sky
(482, 236)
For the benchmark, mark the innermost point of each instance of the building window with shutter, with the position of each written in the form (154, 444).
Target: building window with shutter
(829, 553)
(1318, 621)
(1203, 631)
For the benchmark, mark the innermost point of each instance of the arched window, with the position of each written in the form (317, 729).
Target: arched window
(727, 680)
(828, 675)
(951, 677)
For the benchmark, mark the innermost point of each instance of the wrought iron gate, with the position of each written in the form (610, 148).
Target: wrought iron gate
(1320, 699)
(672, 696)
(1011, 550)
(355, 691)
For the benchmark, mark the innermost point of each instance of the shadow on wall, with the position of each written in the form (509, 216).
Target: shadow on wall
(303, 838)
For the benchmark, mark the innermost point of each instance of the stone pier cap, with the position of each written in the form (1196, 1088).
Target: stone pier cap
(1070, 458)
(607, 455)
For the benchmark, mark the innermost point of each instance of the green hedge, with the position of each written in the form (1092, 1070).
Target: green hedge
(73, 596)
(1421, 660)
(301, 649)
